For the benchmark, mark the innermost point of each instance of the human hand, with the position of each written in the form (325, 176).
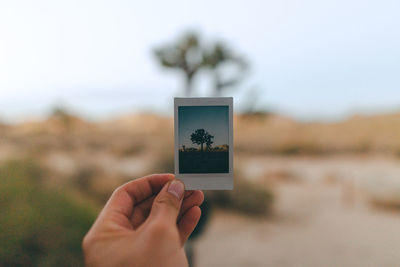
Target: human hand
(144, 223)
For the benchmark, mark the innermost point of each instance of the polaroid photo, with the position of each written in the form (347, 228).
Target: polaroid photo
(204, 142)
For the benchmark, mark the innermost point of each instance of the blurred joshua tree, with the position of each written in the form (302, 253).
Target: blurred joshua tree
(227, 68)
(190, 55)
(62, 115)
(185, 55)
(201, 137)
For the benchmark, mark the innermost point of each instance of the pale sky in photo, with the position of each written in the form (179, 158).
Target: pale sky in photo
(213, 119)
(309, 59)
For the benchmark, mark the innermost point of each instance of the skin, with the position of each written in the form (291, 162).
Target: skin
(143, 224)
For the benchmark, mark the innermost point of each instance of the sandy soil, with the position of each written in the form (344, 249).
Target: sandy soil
(316, 222)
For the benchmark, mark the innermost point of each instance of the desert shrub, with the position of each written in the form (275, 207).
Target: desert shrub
(362, 148)
(299, 149)
(95, 185)
(63, 117)
(397, 153)
(259, 116)
(246, 198)
(83, 178)
(124, 149)
(386, 198)
(385, 204)
(164, 163)
(39, 226)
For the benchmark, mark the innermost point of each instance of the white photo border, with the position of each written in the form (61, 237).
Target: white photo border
(204, 181)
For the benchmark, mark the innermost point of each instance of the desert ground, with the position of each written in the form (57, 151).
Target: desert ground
(322, 217)
(335, 186)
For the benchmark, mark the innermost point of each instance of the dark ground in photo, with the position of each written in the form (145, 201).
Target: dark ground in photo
(203, 162)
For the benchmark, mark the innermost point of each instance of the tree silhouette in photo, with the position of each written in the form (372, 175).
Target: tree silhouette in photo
(209, 141)
(201, 137)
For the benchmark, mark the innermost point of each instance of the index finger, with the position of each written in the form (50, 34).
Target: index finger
(126, 196)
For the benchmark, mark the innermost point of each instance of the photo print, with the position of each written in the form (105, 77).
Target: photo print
(203, 142)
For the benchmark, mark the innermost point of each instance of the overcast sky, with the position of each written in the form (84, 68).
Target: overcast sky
(310, 59)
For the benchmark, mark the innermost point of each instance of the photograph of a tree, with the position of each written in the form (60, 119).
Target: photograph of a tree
(201, 137)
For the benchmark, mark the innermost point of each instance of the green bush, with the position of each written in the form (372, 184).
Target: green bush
(39, 226)
(246, 198)
(165, 163)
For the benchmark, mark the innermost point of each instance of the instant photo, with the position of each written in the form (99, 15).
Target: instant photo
(203, 142)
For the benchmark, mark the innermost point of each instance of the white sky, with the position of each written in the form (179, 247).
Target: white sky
(310, 59)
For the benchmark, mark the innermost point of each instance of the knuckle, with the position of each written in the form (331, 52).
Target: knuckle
(118, 190)
(167, 201)
(160, 229)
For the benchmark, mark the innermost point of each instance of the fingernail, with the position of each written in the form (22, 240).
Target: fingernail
(176, 188)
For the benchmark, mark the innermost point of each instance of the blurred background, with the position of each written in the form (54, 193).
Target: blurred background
(86, 97)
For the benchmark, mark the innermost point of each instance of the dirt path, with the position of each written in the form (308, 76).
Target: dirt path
(314, 224)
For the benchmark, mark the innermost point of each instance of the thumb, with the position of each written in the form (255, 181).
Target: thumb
(168, 202)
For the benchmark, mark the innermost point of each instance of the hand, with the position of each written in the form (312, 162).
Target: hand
(144, 223)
